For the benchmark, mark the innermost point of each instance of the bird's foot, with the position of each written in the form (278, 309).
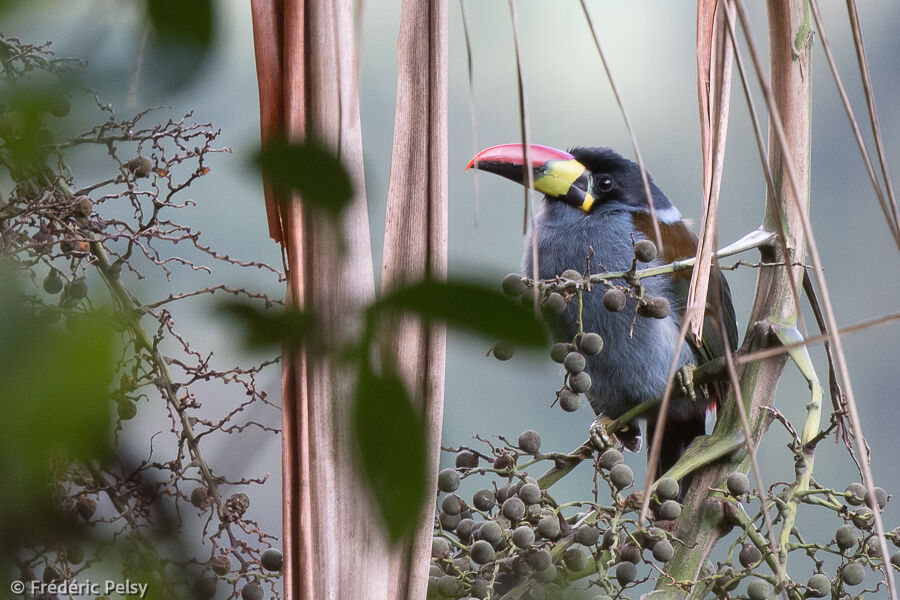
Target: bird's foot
(600, 438)
(685, 378)
(628, 436)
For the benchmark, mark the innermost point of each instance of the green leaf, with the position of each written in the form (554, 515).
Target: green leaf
(469, 306)
(390, 449)
(184, 34)
(287, 326)
(54, 401)
(185, 22)
(309, 169)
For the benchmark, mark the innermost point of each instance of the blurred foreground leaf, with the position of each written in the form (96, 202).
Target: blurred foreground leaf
(54, 402)
(184, 36)
(469, 306)
(309, 169)
(288, 326)
(390, 444)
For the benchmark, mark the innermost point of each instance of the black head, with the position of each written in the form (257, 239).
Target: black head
(616, 182)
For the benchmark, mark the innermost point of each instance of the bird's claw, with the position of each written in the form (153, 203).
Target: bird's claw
(626, 437)
(598, 434)
(685, 377)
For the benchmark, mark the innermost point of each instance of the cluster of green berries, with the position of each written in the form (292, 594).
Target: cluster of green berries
(855, 542)
(573, 356)
(514, 535)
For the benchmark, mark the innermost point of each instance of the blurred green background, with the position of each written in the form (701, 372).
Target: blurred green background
(651, 50)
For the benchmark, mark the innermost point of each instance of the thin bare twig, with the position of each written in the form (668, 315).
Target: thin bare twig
(527, 171)
(634, 142)
(827, 306)
(472, 113)
(889, 211)
(870, 103)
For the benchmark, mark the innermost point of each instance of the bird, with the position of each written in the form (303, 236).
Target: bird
(594, 210)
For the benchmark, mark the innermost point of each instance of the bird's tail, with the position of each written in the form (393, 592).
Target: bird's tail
(675, 440)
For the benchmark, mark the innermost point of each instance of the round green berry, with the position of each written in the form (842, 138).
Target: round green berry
(252, 591)
(483, 499)
(540, 559)
(513, 285)
(491, 532)
(651, 536)
(448, 522)
(523, 537)
(448, 586)
(819, 586)
(881, 498)
(503, 351)
(669, 510)
(758, 590)
(569, 400)
(667, 488)
(621, 476)
(572, 274)
(738, 484)
(587, 535)
(630, 552)
(77, 288)
(530, 441)
(614, 300)
(53, 283)
(448, 480)
(271, 560)
(610, 458)
(464, 529)
(199, 496)
(749, 555)
(530, 493)
(591, 344)
(626, 572)
(655, 307)
(466, 460)
(559, 351)
(555, 304)
(863, 517)
(855, 494)
(663, 551)
(853, 574)
(575, 362)
(452, 504)
(548, 527)
(439, 547)
(140, 166)
(580, 382)
(644, 251)
(845, 537)
(575, 559)
(482, 552)
(513, 509)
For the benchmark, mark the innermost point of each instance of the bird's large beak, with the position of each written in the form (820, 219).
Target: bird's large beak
(556, 173)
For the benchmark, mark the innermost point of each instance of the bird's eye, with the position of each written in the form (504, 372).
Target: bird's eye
(604, 183)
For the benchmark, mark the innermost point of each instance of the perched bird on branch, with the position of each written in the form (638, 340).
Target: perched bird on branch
(595, 216)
